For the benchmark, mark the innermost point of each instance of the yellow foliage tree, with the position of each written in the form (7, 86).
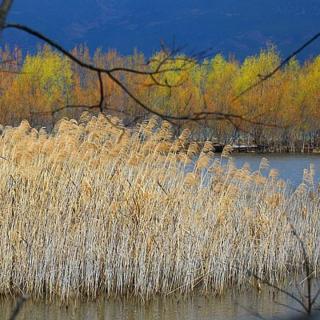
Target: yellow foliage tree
(46, 80)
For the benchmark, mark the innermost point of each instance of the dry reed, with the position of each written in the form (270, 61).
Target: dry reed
(90, 209)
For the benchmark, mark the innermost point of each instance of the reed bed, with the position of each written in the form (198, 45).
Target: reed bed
(92, 209)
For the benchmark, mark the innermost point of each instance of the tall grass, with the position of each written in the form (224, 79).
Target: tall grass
(91, 209)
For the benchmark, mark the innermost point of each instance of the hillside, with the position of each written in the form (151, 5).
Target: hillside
(229, 26)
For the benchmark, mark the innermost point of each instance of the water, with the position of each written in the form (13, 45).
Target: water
(290, 166)
(231, 306)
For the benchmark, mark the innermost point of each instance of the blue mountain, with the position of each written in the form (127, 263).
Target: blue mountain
(237, 27)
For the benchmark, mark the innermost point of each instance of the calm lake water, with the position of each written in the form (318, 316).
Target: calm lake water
(231, 306)
(290, 166)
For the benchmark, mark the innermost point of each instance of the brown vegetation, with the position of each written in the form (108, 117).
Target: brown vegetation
(92, 209)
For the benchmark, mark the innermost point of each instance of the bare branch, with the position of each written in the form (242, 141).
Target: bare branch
(289, 307)
(280, 66)
(114, 78)
(101, 92)
(18, 307)
(82, 63)
(4, 10)
(169, 55)
(307, 268)
(287, 293)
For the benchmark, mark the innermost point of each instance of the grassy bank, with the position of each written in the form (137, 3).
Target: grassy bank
(93, 209)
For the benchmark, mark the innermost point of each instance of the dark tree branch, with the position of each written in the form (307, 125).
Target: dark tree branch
(289, 307)
(4, 10)
(18, 308)
(101, 92)
(83, 64)
(279, 67)
(169, 56)
(271, 285)
(310, 300)
(109, 73)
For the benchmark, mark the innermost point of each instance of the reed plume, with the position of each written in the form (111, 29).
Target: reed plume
(84, 213)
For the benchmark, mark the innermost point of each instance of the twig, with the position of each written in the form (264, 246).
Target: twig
(280, 66)
(18, 307)
(110, 73)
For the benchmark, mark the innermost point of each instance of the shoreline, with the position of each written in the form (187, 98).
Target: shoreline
(261, 149)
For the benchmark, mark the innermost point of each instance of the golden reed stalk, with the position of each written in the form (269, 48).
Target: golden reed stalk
(90, 209)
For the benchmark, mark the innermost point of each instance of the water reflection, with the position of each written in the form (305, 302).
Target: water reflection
(230, 306)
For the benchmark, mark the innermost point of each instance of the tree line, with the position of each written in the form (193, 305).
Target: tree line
(45, 86)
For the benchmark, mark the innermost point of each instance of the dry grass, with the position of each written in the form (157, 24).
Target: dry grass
(89, 209)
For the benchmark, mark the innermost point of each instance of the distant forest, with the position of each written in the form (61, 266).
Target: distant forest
(41, 86)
